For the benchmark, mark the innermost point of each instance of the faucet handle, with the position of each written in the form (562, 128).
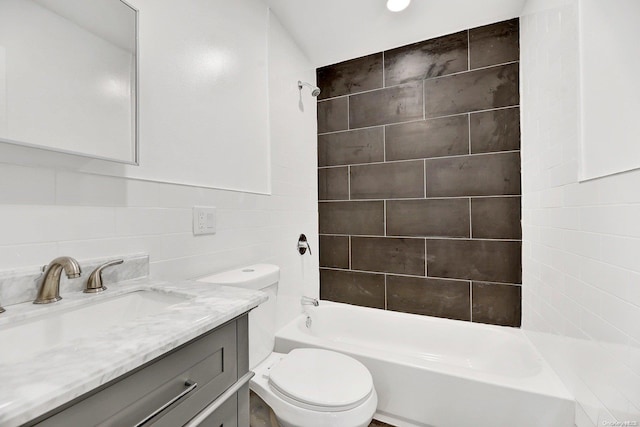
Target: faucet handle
(94, 284)
(2, 310)
(303, 245)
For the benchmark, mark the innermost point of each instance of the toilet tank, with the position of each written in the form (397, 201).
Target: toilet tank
(262, 319)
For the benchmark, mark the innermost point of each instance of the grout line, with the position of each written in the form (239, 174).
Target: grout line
(453, 279)
(399, 236)
(439, 198)
(424, 101)
(468, 51)
(471, 301)
(469, 125)
(427, 158)
(353, 130)
(384, 144)
(384, 214)
(424, 178)
(383, 73)
(426, 269)
(349, 252)
(470, 220)
(417, 80)
(385, 292)
(349, 181)
(348, 115)
(420, 120)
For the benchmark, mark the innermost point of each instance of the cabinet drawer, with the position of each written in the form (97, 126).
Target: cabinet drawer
(225, 416)
(210, 361)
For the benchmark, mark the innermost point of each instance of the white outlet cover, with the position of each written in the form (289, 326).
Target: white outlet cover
(204, 220)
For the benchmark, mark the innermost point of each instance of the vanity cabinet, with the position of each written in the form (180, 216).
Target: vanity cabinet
(204, 382)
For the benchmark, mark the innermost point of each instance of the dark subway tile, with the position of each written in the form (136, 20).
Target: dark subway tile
(333, 115)
(385, 106)
(355, 75)
(351, 217)
(334, 251)
(497, 304)
(431, 297)
(445, 136)
(430, 58)
(333, 183)
(496, 218)
(431, 218)
(388, 255)
(480, 175)
(485, 260)
(472, 91)
(494, 44)
(364, 289)
(388, 180)
(354, 146)
(496, 130)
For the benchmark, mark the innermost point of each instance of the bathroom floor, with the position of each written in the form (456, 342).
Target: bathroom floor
(262, 416)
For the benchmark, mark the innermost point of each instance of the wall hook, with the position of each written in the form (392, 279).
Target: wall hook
(303, 245)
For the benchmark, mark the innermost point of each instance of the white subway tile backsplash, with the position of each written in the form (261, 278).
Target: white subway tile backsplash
(27, 186)
(77, 189)
(27, 255)
(110, 247)
(144, 221)
(38, 224)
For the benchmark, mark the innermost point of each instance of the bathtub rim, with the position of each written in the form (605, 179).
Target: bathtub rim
(545, 383)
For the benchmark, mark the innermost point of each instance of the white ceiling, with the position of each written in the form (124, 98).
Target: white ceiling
(331, 31)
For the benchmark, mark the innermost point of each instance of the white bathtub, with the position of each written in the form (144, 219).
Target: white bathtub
(438, 372)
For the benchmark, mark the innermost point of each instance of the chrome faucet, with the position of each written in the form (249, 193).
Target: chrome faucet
(50, 289)
(309, 301)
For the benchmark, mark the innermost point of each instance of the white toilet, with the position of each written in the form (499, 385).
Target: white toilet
(307, 387)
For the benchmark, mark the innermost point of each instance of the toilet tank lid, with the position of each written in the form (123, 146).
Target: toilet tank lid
(257, 276)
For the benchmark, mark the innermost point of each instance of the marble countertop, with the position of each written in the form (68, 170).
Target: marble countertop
(36, 385)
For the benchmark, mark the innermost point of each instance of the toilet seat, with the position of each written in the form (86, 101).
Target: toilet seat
(294, 412)
(321, 380)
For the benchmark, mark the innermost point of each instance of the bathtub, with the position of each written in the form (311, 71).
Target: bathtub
(439, 372)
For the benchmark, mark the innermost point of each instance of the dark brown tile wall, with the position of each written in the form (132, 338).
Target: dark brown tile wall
(447, 136)
(419, 178)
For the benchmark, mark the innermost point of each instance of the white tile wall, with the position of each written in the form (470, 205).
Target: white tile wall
(581, 241)
(45, 212)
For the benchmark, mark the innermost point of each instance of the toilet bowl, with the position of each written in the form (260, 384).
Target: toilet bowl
(307, 387)
(316, 388)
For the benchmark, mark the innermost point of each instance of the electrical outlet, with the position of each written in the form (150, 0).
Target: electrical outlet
(204, 220)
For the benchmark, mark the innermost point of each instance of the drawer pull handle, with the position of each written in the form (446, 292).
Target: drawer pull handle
(198, 419)
(191, 385)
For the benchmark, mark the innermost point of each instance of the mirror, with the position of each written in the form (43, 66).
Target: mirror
(68, 77)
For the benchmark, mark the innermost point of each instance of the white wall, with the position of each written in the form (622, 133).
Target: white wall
(581, 269)
(46, 212)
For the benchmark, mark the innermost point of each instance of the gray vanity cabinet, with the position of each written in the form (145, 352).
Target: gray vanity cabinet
(202, 383)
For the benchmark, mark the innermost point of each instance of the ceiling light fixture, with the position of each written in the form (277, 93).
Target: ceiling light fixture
(397, 5)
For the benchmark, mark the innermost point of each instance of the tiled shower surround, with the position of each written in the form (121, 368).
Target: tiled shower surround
(419, 178)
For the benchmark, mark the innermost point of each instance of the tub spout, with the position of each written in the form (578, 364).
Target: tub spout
(309, 301)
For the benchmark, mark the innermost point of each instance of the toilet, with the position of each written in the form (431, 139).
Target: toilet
(307, 387)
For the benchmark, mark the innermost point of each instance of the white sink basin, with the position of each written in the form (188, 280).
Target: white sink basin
(28, 337)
